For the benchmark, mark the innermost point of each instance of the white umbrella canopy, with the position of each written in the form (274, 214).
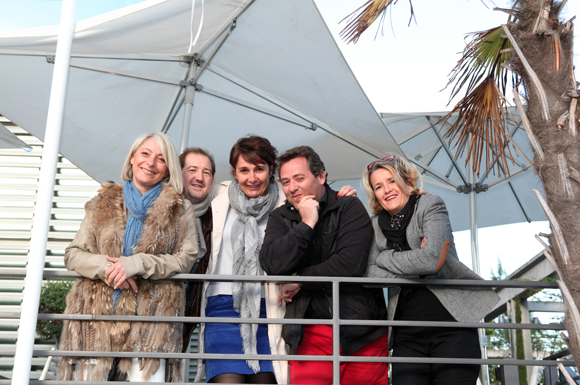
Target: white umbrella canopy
(279, 74)
(9, 140)
(501, 199)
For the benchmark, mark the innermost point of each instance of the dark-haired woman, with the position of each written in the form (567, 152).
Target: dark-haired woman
(240, 210)
(410, 229)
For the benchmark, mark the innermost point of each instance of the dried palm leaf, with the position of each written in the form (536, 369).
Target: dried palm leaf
(483, 71)
(482, 57)
(364, 16)
(481, 114)
(482, 67)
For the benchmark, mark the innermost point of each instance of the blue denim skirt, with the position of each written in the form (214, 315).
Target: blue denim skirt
(226, 339)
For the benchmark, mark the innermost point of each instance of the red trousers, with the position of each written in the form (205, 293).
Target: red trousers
(318, 341)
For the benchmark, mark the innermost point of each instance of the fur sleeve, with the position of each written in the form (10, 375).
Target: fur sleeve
(83, 256)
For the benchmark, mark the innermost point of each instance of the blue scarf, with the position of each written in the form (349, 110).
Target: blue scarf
(137, 205)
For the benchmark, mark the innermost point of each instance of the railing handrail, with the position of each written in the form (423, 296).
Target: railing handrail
(289, 321)
(285, 357)
(59, 274)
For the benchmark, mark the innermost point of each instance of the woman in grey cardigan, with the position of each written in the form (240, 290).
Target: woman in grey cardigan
(410, 229)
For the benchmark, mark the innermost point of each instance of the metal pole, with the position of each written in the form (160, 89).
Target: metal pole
(46, 367)
(188, 103)
(335, 333)
(473, 220)
(475, 259)
(29, 314)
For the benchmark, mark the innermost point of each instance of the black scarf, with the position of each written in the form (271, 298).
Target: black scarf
(395, 227)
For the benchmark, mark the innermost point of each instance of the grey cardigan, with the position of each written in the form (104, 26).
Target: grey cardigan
(430, 220)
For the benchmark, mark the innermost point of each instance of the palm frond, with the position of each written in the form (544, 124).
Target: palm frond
(482, 57)
(481, 114)
(363, 17)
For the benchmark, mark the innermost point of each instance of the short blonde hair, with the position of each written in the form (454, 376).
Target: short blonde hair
(404, 173)
(175, 177)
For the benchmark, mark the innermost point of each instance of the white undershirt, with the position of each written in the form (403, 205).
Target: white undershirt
(225, 260)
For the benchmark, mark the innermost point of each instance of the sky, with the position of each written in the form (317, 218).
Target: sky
(401, 69)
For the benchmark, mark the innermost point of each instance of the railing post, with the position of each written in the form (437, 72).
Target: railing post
(551, 375)
(335, 332)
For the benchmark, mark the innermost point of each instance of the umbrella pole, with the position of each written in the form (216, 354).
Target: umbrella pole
(475, 259)
(41, 221)
(188, 104)
(473, 218)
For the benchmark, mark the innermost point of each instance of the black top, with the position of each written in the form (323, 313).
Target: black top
(320, 306)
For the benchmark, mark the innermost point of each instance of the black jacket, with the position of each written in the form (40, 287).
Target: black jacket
(340, 243)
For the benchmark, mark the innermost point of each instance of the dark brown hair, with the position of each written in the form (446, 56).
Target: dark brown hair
(255, 149)
(199, 151)
(315, 164)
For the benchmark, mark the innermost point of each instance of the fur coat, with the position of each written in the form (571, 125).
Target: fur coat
(168, 245)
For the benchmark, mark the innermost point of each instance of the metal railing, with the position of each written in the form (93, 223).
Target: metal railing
(335, 322)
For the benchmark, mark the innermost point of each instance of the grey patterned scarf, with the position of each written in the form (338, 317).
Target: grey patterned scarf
(246, 243)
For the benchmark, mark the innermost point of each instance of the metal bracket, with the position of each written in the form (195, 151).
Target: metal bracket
(199, 61)
(190, 82)
(467, 188)
(312, 127)
(50, 59)
(189, 58)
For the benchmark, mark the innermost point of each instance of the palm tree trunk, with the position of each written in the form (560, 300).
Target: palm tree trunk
(543, 47)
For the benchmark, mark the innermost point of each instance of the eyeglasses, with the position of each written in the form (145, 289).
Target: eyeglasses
(387, 158)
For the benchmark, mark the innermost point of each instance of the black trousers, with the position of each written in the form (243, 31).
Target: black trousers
(435, 342)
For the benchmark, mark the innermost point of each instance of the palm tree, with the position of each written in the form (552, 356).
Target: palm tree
(535, 47)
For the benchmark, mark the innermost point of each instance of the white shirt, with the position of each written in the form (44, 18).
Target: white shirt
(225, 259)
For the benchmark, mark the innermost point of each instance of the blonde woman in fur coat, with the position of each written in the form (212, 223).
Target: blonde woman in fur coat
(133, 236)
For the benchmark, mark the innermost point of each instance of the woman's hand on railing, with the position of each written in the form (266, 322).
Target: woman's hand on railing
(115, 275)
(287, 292)
(442, 256)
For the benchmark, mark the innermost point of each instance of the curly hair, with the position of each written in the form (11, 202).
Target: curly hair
(404, 173)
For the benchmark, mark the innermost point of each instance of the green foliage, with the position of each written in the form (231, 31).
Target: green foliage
(547, 340)
(52, 300)
(498, 339)
(501, 273)
(520, 343)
